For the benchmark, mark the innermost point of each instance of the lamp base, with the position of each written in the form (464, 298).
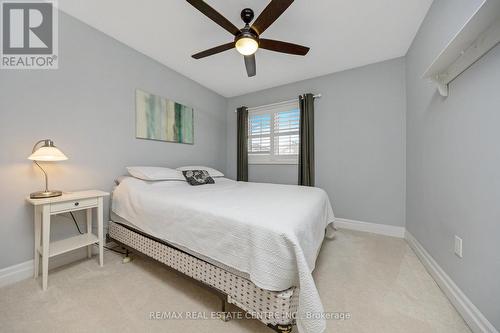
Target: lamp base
(45, 194)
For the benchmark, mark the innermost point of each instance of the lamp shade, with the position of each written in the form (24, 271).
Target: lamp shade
(47, 153)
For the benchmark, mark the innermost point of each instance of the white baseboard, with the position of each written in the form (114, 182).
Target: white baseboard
(471, 314)
(381, 229)
(15, 273)
(24, 270)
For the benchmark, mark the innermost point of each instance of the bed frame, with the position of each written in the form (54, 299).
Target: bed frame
(276, 309)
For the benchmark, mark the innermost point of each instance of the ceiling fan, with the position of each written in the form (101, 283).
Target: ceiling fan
(247, 39)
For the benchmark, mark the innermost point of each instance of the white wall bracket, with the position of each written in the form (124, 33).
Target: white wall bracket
(442, 86)
(479, 35)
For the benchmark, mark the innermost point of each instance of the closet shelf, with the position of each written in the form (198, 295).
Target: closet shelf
(480, 34)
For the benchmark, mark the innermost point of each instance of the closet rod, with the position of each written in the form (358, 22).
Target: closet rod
(276, 104)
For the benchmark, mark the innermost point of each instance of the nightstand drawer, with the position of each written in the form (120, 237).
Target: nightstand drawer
(72, 205)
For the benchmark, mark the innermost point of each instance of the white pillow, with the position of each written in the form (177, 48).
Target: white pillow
(212, 172)
(155, 173)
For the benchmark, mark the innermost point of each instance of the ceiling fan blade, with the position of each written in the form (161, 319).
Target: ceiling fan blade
(250, 65)
(283, 47)
(213, 50)
(270, 14)
(214, 15)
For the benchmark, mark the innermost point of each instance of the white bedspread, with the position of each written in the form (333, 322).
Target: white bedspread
(272, 232)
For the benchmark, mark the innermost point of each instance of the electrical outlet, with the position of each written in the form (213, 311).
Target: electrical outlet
(458, 247)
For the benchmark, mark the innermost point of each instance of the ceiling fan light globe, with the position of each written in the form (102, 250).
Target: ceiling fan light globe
(246, 46)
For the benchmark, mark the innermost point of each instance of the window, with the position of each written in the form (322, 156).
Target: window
(273, 134)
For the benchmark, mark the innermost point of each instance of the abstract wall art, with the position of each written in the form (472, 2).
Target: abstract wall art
(159, 118)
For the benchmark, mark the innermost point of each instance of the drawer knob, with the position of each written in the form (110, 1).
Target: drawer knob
(77, 204)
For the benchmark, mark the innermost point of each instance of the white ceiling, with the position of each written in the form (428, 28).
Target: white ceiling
(342, 34)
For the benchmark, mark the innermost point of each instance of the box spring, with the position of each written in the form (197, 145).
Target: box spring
(274, 308)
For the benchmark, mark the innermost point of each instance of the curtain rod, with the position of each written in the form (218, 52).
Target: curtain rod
(278, 103)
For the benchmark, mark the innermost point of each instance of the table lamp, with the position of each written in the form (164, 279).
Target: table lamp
(46, 152)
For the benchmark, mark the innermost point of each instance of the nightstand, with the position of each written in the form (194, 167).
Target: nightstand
(68, 202)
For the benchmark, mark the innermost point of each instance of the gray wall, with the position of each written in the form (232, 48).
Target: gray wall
(88, 108)
(360, 150)
(453, 160)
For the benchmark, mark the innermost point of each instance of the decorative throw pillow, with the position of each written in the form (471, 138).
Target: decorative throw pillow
(198, 177)
(211, 171)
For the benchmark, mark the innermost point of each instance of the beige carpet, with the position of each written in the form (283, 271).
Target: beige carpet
(378, 280)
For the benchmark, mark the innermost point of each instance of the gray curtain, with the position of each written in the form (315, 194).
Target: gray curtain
(306, 145)
(242, 137)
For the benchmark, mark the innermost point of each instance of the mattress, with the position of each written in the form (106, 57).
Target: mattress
(118, 219)
(270, 232)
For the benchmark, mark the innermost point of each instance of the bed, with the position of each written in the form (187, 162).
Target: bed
(256, 244)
